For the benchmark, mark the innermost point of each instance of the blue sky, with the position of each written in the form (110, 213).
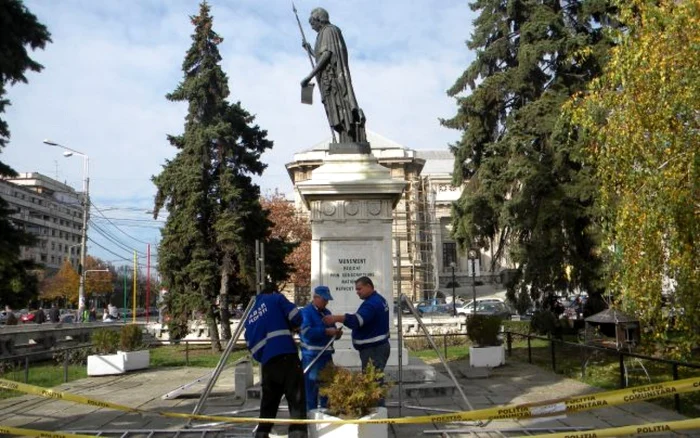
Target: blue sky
(111, 62)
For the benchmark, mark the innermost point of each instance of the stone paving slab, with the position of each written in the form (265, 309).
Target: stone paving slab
(512, 383)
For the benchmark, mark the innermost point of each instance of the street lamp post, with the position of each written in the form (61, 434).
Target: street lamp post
(473, 254)
(86, 209)
(454, 296)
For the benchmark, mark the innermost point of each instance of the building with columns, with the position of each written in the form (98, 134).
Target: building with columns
(423, 247)
(49, 210)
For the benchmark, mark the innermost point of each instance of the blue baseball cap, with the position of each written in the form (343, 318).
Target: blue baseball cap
(323, 292)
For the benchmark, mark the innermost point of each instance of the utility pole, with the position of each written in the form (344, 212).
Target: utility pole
(86, 212)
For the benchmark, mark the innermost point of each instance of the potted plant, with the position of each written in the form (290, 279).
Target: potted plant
(117, 352)
(486, 349)
(351, 394)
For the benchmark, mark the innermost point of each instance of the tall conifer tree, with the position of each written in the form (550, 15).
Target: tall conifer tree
(19, 29)
(214, 210)
(525, 189)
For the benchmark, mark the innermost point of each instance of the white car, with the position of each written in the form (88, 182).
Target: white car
(468, 307)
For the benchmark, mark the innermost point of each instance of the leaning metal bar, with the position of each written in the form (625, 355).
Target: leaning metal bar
(437, 351)
(318, 356)
(176, 392)
(399, 321)
(224, 357)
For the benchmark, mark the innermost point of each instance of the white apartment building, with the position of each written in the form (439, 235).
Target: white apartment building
(51, 211)
(422, 218)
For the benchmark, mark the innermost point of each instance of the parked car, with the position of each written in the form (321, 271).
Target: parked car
(468, 307)
(494, 308)
(27, 317)
(433, 305)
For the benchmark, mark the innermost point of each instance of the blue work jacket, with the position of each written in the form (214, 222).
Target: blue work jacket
(370, 324)
(313, 332)
(268, 328)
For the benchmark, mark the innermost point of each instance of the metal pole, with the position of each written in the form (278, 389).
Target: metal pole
(474, 284)
(124, 294)
(444, 343)
(437, 351)
(622, 370)
(83, 239)
(454, 296)
(148, 279)
(133, 301)
(676, 398)
(399, 320)
(224, 357)
(318, 356)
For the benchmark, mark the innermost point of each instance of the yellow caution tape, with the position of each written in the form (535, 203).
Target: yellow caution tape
(525, 410)
(49, 393)
(639, 429)
(7, 430)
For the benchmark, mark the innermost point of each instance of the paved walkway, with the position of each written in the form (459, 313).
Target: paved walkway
(513, 383)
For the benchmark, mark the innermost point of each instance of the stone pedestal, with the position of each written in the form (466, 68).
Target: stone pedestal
(351, 199)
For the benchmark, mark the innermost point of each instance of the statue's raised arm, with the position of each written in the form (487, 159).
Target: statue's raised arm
(332, 73)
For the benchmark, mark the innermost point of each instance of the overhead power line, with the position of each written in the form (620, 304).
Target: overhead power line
(115, 226)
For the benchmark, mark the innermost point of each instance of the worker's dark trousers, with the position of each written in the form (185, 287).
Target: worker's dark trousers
(283, 375)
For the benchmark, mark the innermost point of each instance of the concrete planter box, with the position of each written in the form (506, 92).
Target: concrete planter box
(119, 363)
(487, 356)
(325, 430)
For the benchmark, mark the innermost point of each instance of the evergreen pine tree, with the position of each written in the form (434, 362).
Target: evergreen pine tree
(526, 191)
(214, 209)
(19, 28)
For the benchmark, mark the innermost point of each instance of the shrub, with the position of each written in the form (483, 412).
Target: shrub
(130, 338)
(483, 330)
(352, 394)
(545, 322)
(105, 341)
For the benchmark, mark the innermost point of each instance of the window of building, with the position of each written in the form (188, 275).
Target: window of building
(449, 255)
(53, 246)
(43, 257)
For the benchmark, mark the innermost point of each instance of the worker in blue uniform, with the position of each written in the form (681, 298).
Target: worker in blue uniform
(315, 335)
(370, 325)
(268, 335)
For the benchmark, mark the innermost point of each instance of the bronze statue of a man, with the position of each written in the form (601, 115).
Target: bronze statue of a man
(332, 73)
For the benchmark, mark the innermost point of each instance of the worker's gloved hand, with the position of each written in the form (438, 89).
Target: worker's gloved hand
(338, 334)
(332, 331)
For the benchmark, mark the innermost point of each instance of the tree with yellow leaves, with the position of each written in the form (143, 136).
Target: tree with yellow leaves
(62, 286)
(97, 282)
(641, 119)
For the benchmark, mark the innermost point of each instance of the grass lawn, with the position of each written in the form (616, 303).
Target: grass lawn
(199, 356)
(49, 374)
(46, 374)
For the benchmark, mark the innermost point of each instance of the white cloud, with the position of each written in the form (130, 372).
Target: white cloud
(112, 62)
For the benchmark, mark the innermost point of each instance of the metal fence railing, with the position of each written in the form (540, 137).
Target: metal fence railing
(627, 367)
